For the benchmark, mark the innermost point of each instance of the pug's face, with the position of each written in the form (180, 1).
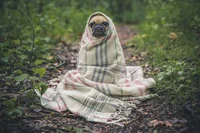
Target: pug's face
(98, 25)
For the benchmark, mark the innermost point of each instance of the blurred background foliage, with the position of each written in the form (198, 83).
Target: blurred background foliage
(169, 30)
(29, 29)
(170, 34)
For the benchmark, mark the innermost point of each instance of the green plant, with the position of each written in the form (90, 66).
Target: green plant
(11, 110)
(170, 35)
(177, 78)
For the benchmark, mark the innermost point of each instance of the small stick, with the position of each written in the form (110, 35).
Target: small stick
(126, 123)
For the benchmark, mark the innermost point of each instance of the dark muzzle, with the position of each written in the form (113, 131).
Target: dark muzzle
(98, 30)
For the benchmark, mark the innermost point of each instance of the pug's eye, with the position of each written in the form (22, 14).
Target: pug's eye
(105, 23)
(91, 24)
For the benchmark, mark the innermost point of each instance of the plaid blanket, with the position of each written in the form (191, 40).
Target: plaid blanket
(102, 88)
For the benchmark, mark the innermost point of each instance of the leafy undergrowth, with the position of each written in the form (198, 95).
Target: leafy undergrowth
(172, 41)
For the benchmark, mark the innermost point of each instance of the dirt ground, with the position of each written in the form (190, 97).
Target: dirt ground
(151, 116)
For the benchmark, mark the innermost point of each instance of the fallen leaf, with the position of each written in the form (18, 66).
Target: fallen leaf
(155, 131)
(172, 36)
(143, 54)
(55, 64)
(146, 65)
(154, 123)
(73, 61)
(49, 57)
(134, 58)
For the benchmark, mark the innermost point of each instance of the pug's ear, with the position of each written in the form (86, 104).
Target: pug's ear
(92, 24)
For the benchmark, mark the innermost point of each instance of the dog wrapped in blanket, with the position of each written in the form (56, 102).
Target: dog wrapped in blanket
(102, 88)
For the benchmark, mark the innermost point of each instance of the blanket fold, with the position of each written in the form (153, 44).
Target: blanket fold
(102, 88)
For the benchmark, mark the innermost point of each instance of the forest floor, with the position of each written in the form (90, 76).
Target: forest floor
(154, 115)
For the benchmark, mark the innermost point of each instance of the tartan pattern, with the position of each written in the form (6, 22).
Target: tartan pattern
(102, 89)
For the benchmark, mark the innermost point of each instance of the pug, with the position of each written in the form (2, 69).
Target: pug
(98, 25)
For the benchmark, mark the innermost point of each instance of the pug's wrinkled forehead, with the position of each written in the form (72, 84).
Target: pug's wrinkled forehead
(98, 18)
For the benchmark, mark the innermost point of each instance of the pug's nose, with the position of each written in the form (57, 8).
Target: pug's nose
(98, 29)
